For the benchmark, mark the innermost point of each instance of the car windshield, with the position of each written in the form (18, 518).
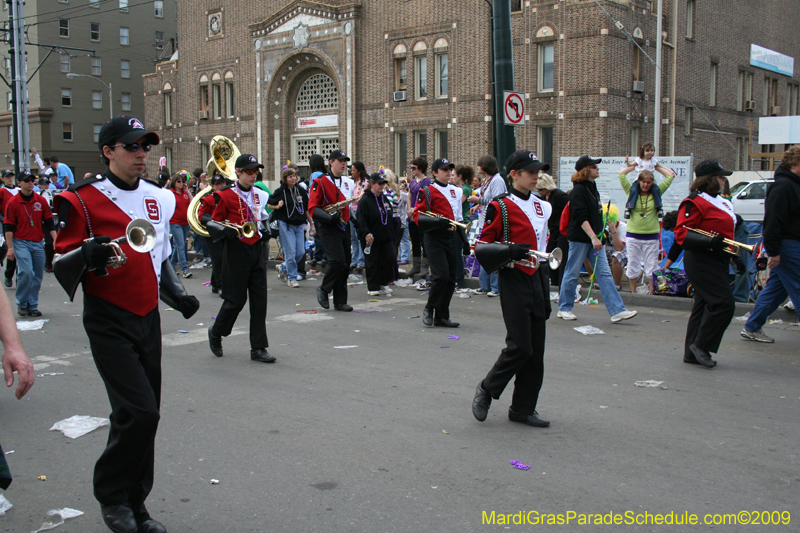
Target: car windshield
(738, 187)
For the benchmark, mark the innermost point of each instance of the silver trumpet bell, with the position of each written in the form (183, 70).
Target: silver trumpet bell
(140, 236)
(553, 259)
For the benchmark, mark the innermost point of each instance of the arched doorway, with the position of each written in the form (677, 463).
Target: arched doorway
(315, 119)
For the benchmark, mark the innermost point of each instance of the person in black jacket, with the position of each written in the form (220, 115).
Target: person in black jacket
(375, 231)
(585, 230)
(782, 241)
(558, 200)
(290, 205)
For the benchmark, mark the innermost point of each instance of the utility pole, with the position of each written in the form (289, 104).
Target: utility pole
(19, 85)
(659, 47)
(505, 140)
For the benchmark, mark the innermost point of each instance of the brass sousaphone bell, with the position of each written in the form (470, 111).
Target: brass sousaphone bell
(223, 160)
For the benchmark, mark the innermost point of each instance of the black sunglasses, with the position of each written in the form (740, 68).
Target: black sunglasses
(28, 179)
(134, 147)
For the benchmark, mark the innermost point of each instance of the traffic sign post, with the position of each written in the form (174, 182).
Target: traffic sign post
(513, 108)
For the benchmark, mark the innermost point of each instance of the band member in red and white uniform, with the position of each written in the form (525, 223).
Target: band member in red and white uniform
(438, 235)
(7, 192)
(28, 218)
(333, 229)
(215, 248)
(707, 262)
(121, 310)
(244, 272)
(518, 220)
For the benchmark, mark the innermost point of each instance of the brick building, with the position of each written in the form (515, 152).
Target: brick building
(114, 41)
(387, 80)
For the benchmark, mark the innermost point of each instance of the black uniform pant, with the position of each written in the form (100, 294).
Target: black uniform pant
(379, 264)
(215, 249)
(337, 249)
(417, 244)
(49, 251)
(11, 264)
(442, 258)
(559, 242)
(127, 352)
(524, 303)
(244, 276)
(714, 305)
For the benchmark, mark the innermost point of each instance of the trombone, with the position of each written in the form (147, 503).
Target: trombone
(733, 246)
(453, 223)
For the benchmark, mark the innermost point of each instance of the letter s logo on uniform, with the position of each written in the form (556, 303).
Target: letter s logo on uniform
(452, 193)
(538, 207)
(153, 209)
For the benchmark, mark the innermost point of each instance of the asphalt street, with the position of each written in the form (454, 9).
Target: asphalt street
(365, 424)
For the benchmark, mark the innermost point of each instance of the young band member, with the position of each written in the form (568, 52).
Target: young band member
(7, 192)
(244, 270)
(28, 218)
(120, 310)
(706, 262)
(215, 248)
(333, 230)
(519, 221)
(444, 199)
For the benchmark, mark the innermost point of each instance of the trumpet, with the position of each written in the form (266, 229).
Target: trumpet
(245, 231)
(140, 234)
(453, 223)
(733, 246)
(332, 209)
(553, 259)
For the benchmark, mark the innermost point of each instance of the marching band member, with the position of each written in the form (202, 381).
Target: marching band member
(215, 248)
(7, 192)
(706, 262)
(120, 311)
(444, 199)
(519, 220)
(333, 231)
(243, 266)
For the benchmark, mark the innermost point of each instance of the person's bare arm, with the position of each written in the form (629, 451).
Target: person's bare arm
(586, 227)
(14, 357)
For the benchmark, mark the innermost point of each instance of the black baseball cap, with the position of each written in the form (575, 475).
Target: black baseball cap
(218, 179)
(247, 161)
(44, 181)
(7, 172)
(124, 129)
(377, 177)
(439, 164)
(525, 160)
(22, 174)
(711, 167)
(338, 154)
(586, 161)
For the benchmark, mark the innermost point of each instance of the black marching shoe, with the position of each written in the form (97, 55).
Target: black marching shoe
(322, 298)
(215, 290)
(119, 518)
(343, 307)
(152, 526)
(445, 323)
(481, 403)
(532, 419)
(214, 342)
(427, 316)
(702, 356)
(8, 282)
(261, 355)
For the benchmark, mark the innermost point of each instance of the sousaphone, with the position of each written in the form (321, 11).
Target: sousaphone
(223, 160)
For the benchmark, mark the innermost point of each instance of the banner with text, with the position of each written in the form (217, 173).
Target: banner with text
(608, 183)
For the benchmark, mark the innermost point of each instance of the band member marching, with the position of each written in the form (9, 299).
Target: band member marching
(215, 248)
(244, 272)
(707, 262)
(334, 232)
(120, 309)
(443, 199)
(519, 221)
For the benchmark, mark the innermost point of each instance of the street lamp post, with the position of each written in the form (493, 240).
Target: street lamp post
(108, 86)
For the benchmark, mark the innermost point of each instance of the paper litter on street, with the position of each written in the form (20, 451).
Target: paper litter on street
(31, 325)
(650, 383)
(79, 425)
(5, 505)
(345, 347)
(589, 330)
(743, 318)
(64, 513)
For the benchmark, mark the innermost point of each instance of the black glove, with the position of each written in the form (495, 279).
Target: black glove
(95, 254)
(230, 233)
(465, 249)
(444, 223)
(518, 252)
(717, 243)
(741, 268)
(188, 306)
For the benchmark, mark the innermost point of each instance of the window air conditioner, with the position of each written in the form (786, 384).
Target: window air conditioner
(775, 111)
(749, 105)
(203, 115)
(638, 86)
(399, 96)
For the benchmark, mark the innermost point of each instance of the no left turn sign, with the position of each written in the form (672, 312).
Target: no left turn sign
(514, 108)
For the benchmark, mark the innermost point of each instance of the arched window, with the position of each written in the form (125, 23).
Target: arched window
(400, 67)
(440, 50)
(318, 93)
(203, 97)
(545, 31)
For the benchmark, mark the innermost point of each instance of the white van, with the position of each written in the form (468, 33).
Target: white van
(748, 199)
